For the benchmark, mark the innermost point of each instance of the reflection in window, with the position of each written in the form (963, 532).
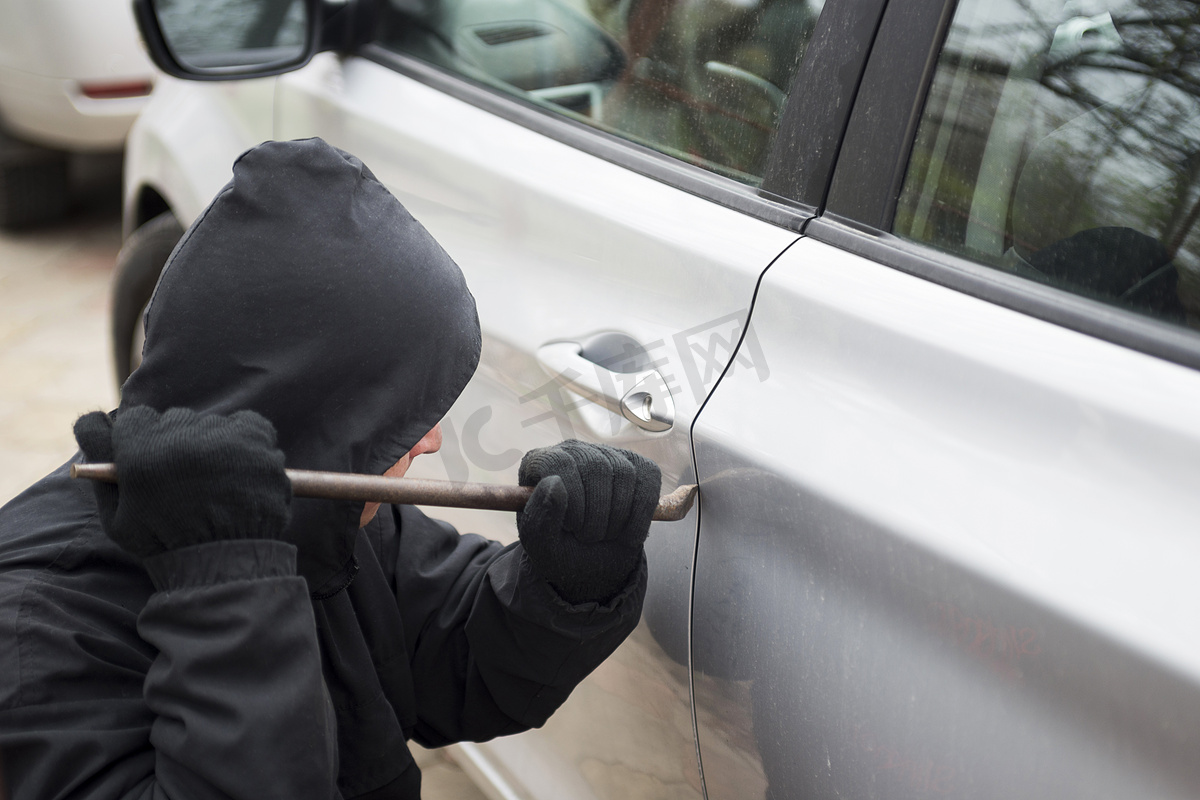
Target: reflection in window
(217, 33)
(1061, 142)
(702, 80)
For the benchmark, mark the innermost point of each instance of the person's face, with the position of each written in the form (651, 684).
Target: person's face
(430, 443)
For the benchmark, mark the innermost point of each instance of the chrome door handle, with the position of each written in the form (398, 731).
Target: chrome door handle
(643, 397)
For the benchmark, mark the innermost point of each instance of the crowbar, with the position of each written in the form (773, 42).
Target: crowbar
(416, 491)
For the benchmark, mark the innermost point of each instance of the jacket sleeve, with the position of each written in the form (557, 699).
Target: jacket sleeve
(494, 649)
(204, 681)
(240, 707)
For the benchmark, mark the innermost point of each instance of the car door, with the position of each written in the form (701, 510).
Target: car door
(951, 551)
(598, 173)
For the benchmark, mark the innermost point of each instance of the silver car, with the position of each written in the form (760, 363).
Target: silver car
(910, 289)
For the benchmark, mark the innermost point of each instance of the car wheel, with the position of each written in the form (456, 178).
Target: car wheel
(139, 264)
(34, 186)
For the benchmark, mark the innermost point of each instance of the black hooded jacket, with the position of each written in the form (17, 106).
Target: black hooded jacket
(306, 293)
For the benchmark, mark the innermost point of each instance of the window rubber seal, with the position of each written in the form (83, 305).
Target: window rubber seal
(873, 159)
(814, 122)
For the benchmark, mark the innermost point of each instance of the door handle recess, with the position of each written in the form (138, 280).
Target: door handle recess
(642, 397)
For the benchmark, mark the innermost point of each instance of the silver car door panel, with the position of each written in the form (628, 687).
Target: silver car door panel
(558, 245)
(946, 550)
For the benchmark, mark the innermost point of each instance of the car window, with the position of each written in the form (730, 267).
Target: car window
(701, 80)
(1061, 142)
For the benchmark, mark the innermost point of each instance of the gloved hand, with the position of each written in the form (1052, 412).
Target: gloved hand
(186, 478)
(584, 526)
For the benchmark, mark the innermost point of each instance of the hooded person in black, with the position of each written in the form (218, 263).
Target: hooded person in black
(199, 633)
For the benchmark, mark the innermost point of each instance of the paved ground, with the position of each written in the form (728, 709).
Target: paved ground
(55, 360)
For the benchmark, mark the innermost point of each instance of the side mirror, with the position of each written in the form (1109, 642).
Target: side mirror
(213, 41)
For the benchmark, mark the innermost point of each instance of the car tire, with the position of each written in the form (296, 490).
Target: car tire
(139, 264)
(34, 184)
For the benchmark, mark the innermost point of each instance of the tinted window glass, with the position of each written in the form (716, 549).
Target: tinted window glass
(702, 80)
(1061, 142)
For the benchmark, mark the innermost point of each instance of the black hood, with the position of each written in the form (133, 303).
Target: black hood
(307, 293)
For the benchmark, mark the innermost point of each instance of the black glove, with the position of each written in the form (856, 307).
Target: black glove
(584, 526)
(186, 478)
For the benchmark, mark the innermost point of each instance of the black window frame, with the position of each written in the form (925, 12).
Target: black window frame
(860, 206)
(796, 178)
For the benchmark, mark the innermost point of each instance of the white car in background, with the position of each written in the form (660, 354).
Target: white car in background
(73, 77)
